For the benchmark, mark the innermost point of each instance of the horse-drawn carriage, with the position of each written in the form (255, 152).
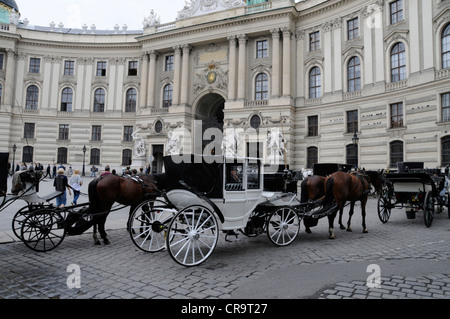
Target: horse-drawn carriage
(415, 188)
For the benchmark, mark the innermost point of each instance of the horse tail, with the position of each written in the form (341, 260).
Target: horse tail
(93, 196)
(328, 198)
(304, 191)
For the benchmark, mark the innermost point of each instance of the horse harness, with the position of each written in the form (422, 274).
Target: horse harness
(362, 179)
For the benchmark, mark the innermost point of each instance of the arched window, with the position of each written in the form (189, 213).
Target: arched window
(95, 156)
(27, 156)
(32, 98)
(396, 153)
(130, 106)
(167, 95)
(66, 100)
(446, 47)
(99, 100)
(398, 62)
(62, 155)
(262, 87)
(445, 144)
(352, 155)
(354, 74)
(126, 157)
(312, 156)
(315, 83)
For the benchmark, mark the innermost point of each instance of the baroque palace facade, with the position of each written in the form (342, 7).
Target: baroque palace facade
(323, 72)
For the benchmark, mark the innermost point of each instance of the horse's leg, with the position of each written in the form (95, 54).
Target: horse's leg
(352, 207)
(101, 228)
(94, 235)
(331, 218)
(341, 212)
(363, 214)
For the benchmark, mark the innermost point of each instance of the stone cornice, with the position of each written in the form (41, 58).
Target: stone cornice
(84, 46)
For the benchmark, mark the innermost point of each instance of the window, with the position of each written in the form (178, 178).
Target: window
(35, 65)
(127, 134)
(130, 106)
(354, 74)
(312, 156)
(2, 59)
(101, 68)
(27, 155)
(398, 63)
(96, 133)
(396, 153)
(99, 100)
(315, 90)
(32, 98)
(158, 127)
(29, 130)
(396, 11)
(132, 68)
(1, 94)
(255, 122)
(445, 104)
(167, 95)
(126, 157)
(69, 68)
(314, 41)
(446, 48)
(62, 155)
(352, 121)
(262, 49)
(262, 87)
(169, 63)
(95, 157)
(445, 144)
(352, 155)
(353, 29)
(313, 125)
(66, 100)
(396, 115)
(63, 132)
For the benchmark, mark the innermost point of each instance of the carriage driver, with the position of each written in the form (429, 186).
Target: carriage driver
(61, 183)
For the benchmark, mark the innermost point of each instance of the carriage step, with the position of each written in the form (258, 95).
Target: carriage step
(323, 212)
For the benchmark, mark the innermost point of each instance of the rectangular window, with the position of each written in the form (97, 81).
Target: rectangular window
(2, 58)
(96, 133)
(133, 68)
(35, 65)
(63, 132)
(262, 49)
(313, 125)
(352, 121)
(127, 134)
(445, 102)
(396, 115)
(69, 68)
(29, 130)
(169, 63)
(396, 11)
(314, 41)
(95, 156)
(353, 29)
(101, 68)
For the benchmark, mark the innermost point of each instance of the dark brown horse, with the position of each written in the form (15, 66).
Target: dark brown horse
(343, 187)
(312, 189)
(109, 189)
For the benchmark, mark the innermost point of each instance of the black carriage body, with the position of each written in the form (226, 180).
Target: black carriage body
(3, 172)
(283, 180)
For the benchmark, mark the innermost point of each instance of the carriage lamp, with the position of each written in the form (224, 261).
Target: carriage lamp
(355, 140)
(14, 148)
(84, 156)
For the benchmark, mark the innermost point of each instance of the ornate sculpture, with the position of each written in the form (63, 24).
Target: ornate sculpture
(152, 20)
(199, 7)
(139, 144)
(275, 146)
(230, 143)
(174, 144)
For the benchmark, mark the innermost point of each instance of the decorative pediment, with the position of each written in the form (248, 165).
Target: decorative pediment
(200, 7)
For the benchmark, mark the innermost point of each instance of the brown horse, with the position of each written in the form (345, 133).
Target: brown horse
(312, 189)
(109, 189)
(341, 187)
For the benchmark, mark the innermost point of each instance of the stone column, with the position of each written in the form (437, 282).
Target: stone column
(328, 56)
(8, 92)
(368, 55)
(46, 69)
(242, 66)
(144, 80)
(151, 80)
(286, 61)
(232, 69)
(177, 76)
(275, 62)
(427, 34)
(337, 54)
(185, 75)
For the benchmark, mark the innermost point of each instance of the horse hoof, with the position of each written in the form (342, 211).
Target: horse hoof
(365, 231)
(308, 231)
(97, 243)
(332, 237)
(342, 227)
(349, 229)
(106, 242)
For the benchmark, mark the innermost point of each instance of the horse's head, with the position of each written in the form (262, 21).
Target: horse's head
(24, 180)
(375, 178)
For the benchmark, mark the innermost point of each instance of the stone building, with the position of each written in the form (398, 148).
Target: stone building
(326, 74)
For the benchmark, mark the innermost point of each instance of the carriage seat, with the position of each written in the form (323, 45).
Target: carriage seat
(233, 187)
(51, 196)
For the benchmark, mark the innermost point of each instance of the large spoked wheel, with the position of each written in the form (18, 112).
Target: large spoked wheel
(43, 230)
(283, 226)
(428, 209)
(384, 208)
(20, 216)
(192, 235)
(148, 225)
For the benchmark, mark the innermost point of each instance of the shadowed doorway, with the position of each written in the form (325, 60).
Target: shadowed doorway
(210, 112)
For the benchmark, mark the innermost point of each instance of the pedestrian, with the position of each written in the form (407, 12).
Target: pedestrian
(93, 169)
(106, 172)
(70, 170)
(54, 171)
(61, 183)
(48, 172)
(75, 182)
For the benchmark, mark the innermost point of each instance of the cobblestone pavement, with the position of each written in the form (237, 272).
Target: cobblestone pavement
(414, 263)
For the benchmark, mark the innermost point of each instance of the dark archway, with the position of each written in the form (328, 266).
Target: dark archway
(210, 112)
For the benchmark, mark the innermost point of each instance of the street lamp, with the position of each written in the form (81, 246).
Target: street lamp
(14, 148)
(355, 141)
(84, 155)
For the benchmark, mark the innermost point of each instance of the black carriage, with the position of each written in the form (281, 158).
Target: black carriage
(415, 188)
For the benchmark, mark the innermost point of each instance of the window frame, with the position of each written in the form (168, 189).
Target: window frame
(69, 68)
(167, 95)
(353, 28)
(314, 41)
(35, 65)
(397, 119)
(96, 133)
(397, 57)
(445, 54)
(262, 49)
(261, 87)
(63, 132)
(101, 68)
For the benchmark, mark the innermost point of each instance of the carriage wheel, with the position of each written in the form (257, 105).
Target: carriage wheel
(20, 216)
(148, 225)
(283, 226)
(192, 235)
(428, 209)
(384, 208)
(43, 230)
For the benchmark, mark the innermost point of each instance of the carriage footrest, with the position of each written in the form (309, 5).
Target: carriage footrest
(323, 212)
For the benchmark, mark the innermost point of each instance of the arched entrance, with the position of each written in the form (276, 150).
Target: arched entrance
(210, 111)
